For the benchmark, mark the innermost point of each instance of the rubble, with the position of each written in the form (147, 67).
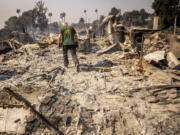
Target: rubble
(16, 120)
(156, 42)
(47, 40)
(4, 47)
(173, 62)
(24, 38)
(105, 63)
(28, 104)
(110, 49)
(84, 44)
(111, 95)
(155, 56)
(162, 49)
(104, 42)
(175, 45)
(113, 31)
(24, 41)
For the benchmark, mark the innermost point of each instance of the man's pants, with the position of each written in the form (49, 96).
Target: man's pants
(72, 48)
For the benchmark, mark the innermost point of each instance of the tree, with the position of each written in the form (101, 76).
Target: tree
(61, 16)
(54, 27)
(167, 10)
(4, 34)
(12, 24)
(27, 20)
(101, 27)
(117, 13)
(18, 11)
(50, 15)
(85, 12)
(64, 16)
(136, 18)
(31, 19)
(81, 20)
(95, 26)
(96, 11)
(41, 11)
(114, 11)
(101, 18)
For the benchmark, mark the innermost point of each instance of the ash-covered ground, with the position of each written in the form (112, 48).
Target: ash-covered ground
(111, 95)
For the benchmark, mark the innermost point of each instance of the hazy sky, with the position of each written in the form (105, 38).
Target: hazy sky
(73, 8)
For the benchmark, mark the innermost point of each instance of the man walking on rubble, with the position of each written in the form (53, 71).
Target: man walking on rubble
(69, 41)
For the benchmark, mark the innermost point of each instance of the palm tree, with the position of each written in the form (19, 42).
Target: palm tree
(50, 15)
(96, 11)
(63, 16)
(18, 11)
(85, 12)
